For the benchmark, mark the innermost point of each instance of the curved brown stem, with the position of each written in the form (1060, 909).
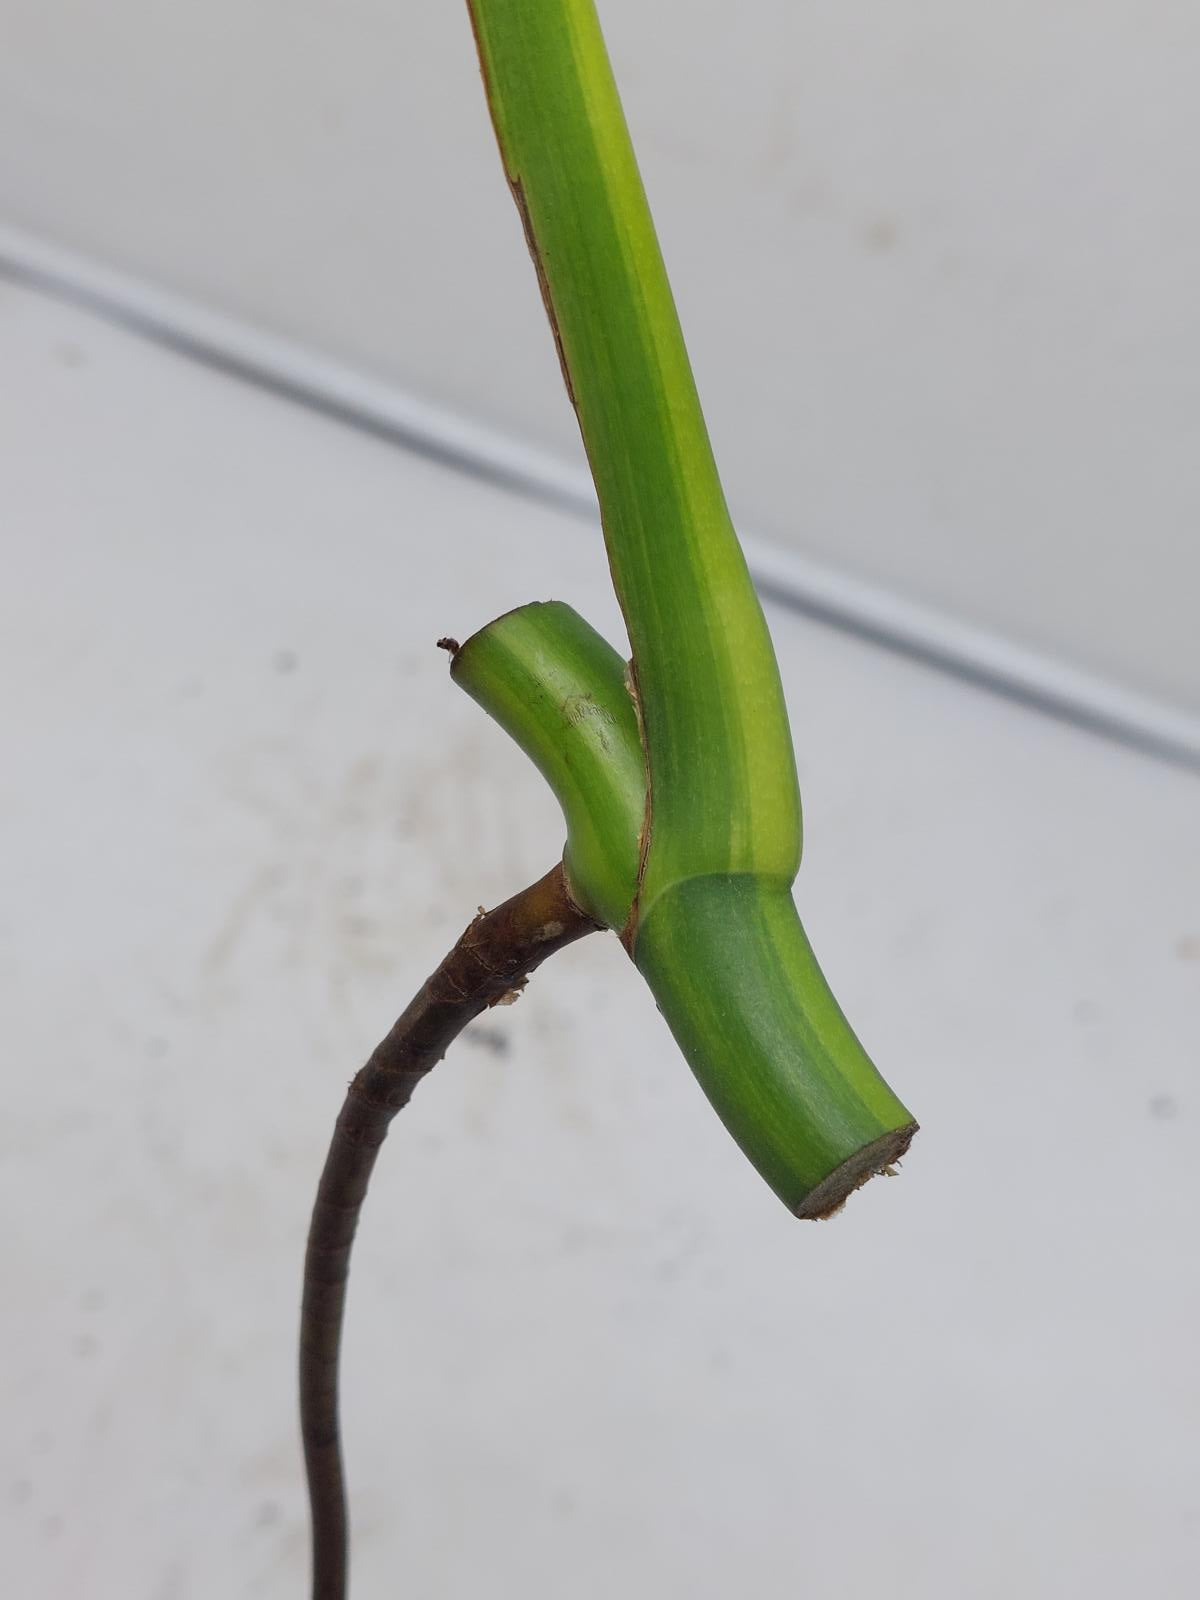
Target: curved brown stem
(492, 960)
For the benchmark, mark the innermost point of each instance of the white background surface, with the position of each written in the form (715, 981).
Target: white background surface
(242, 813)
(936, 262)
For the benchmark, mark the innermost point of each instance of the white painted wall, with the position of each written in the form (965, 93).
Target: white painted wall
(937, 261)
(243, 811)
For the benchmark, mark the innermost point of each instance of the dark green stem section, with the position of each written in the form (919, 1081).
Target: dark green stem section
(733, 973)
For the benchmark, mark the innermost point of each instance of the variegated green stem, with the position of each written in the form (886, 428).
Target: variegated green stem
(725, 956)
(710, 921)
(723, 786)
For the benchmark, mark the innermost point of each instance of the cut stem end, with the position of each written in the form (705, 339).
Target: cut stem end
(873, 1160)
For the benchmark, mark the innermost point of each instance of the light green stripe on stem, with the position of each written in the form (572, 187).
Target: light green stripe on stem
(724, 797)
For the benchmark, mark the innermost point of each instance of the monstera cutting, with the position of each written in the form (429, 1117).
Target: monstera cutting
(674, 768)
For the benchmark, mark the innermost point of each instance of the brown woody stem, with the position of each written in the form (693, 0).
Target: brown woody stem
(492, 960)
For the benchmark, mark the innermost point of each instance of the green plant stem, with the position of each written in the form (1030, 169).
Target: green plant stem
(710, 925)
(492, 960)
(683, 815)
(722, 774)
(558, 688)
(725, 955)
(734, 975)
